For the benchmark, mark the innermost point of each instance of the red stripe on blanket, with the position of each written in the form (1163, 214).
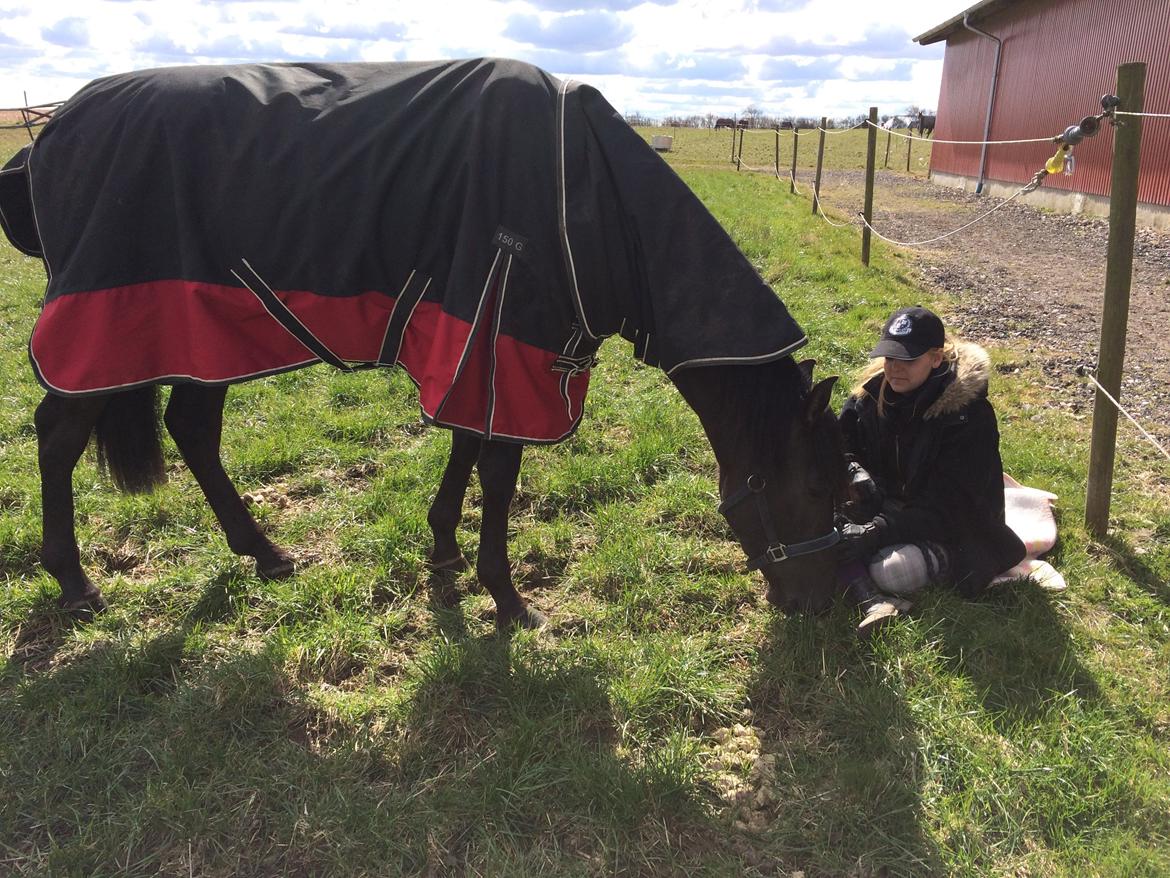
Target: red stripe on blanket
(173, 330)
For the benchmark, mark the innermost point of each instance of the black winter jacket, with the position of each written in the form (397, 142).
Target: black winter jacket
(936, 453)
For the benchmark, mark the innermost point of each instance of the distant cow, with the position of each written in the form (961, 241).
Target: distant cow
(925, 125)
(724, 123)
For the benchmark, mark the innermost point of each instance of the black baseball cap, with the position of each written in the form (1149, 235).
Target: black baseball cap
(910, 333)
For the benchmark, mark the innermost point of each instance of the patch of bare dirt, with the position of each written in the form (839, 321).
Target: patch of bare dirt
(1033, 279)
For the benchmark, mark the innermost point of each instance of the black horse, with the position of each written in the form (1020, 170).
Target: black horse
(478, 223)
(924, 124)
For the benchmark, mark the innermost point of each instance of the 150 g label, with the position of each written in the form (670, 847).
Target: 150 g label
(506, 240)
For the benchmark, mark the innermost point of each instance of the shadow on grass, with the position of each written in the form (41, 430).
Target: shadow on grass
(38, 638)
(217, 601)
(176, 754)
(1013, 646)
(1153, 582)
(443, 600)
(848, 753)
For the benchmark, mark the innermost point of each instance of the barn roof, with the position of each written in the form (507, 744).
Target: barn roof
(981, 10)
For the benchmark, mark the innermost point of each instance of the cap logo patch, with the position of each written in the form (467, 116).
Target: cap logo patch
(902, 325)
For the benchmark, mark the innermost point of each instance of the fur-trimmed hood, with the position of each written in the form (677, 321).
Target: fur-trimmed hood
(965, 382)
(972, 369)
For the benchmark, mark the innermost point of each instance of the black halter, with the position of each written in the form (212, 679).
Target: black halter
(776, 551)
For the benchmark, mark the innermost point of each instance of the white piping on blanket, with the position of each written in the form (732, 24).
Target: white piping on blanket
(563, 198)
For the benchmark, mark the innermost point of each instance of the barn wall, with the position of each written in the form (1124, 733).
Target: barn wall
(1059, 57)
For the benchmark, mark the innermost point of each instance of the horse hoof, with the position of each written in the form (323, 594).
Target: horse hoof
(532, 620)
(280, 567)
(84, 608)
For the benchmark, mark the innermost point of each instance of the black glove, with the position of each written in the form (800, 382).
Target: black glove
(865, 497)
(859, 541)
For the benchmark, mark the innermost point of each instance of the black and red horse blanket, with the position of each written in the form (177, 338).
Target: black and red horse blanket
(478, 222)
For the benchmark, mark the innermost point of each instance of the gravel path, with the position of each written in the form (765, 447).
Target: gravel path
(1034, 279)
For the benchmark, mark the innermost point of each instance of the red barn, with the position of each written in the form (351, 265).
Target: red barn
(1056, 58)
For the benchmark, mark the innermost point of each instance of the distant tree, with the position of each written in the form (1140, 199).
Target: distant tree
(709, 120)
(637, 120)
(804, 122)
(751, 116)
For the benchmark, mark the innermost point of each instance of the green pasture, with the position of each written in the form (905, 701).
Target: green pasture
(668, 722)
(694, 148)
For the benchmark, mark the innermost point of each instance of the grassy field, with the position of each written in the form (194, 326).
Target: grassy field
(694, 148)
(668, 722)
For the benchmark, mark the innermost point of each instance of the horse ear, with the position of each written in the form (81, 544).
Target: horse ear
(806, 369)
(817, 402)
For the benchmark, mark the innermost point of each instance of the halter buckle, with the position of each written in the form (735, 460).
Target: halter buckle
(776, 553)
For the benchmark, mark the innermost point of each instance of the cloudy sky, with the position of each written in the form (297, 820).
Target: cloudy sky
(656, 57)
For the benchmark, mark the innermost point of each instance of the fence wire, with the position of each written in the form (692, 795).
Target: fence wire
(968, 142)
(841, 130)
(1028, 188)
(1133, 420)
(821, 213)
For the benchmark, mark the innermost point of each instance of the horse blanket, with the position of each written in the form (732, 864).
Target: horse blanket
(478, 222)
(1029, 512)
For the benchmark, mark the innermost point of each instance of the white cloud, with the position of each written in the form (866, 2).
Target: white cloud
(788, 57)
(592, 31)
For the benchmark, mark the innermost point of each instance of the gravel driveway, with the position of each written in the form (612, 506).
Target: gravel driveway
(1034, 279)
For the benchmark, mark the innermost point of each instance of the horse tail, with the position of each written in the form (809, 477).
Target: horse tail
(128, 437)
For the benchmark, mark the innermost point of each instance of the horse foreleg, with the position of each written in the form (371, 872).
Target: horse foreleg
(64, 425)
(447, 509)
(499, 467)
(194, 417)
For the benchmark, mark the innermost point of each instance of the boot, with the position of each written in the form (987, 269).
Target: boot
(877, 609)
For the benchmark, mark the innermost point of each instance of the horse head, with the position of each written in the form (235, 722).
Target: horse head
(781, 472)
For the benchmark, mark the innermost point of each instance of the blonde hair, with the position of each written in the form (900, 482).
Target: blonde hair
(876, 366)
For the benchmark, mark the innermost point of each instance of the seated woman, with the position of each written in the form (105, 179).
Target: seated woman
(923, 443)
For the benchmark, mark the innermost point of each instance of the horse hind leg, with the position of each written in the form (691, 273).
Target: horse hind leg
(194, 417)
(499, 467)
(63, 426)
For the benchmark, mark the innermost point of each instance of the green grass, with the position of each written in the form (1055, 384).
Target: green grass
(668, 722)
(844, 149)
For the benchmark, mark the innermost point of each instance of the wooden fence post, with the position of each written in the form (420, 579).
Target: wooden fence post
(820, 162)
(1123, 188)
(739, 156)
(886, 161)
(909, 147)
(734, 126)
(870, 161)
(777, 152)
(795, 141)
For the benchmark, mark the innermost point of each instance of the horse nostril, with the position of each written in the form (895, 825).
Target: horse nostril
(813, 604)
(781, 601)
